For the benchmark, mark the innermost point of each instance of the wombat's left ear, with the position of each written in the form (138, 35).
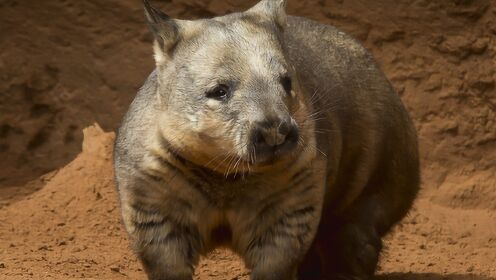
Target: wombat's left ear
(274, 10)
(163, 27)
(167, 31)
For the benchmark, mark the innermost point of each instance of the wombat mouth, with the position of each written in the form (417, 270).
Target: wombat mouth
(271, 155)
(238, 166)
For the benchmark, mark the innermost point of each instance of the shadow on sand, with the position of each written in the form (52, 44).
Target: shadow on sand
(430, 276)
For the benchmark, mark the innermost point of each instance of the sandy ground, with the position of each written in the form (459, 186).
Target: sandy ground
(67, 64)
(71, 229)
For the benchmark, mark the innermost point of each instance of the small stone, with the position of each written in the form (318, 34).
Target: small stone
(480, 45)
(44, 248)
(115, 269)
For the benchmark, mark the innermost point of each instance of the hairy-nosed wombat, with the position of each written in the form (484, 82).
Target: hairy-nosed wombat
(273, 135)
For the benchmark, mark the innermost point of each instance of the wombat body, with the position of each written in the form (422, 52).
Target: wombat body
(275, 136)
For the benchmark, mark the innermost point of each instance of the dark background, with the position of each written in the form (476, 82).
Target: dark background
(65, 64)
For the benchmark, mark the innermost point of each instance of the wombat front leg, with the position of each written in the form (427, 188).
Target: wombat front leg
(274, 252)
(351, 244)
(168, 250)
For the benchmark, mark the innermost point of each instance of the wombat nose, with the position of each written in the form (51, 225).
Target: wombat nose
(274, 137)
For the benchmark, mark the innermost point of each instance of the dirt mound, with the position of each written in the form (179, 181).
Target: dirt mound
(63, 229)
(71, 229)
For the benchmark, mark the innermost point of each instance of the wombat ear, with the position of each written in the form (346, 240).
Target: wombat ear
(164, 28)
(274, 10)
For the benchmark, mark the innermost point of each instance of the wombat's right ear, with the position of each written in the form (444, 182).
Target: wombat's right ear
(274, 10)
(164, 28)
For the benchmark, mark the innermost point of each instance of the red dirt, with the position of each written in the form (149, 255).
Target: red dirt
(71, 229)
(66, 64)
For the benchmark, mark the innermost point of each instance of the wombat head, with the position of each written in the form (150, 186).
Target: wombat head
(229, 96)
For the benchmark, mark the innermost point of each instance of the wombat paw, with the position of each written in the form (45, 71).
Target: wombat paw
(359, 253)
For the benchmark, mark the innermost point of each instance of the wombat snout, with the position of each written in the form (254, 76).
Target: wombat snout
(273, 137)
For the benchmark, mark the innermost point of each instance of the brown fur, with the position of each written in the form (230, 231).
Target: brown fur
(191, 178)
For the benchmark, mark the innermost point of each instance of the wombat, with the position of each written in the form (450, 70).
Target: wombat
(275, 136)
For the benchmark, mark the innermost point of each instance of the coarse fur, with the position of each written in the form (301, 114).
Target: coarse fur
(192, 176)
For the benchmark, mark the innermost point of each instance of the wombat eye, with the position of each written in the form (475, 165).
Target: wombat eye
(286, 84)
(220, 92)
